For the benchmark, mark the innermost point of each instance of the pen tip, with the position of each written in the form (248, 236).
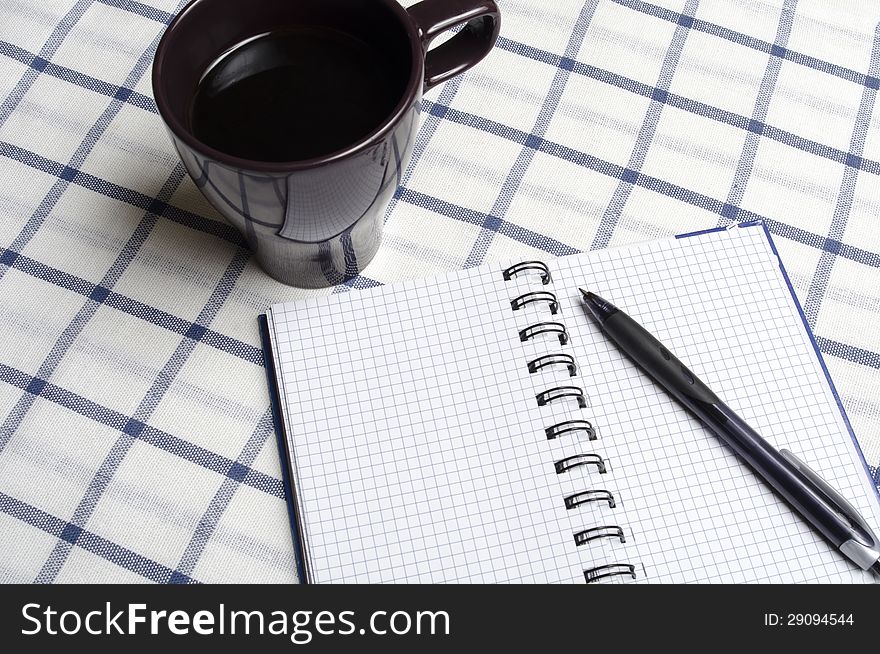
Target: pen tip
(600, 308)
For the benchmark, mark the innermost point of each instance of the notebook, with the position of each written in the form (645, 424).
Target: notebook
(421, 442)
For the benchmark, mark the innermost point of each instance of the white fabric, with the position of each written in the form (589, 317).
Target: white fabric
(135, 445)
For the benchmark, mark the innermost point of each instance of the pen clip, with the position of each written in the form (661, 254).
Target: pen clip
(862, 548)
(843, 505)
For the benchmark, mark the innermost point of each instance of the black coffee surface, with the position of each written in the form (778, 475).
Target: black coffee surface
(295, 94)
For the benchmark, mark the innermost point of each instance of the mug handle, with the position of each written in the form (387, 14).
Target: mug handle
(482, 22)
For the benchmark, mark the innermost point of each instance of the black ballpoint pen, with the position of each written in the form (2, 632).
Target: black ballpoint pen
(824, 508)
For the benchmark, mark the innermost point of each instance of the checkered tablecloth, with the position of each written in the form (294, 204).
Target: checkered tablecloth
(136, 442)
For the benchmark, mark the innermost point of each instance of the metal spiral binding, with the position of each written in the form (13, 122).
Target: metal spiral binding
(554, 359)
(518, 268)
(607, 531)
(560, 392)
(571, 462)
(611, 570)
(545, 328)
(568, 428)
(537, 296)
(574, 501)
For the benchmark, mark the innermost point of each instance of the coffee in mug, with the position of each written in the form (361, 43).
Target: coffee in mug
(297, 118)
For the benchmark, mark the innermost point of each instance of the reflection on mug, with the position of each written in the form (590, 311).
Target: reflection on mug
(305, 169)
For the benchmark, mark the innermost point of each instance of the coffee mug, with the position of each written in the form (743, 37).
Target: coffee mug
(316, 221)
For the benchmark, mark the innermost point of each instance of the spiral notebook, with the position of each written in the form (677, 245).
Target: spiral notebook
(477, 427)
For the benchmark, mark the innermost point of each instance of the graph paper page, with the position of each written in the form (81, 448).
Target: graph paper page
(414, 439)
(419, 452)
(692, 510)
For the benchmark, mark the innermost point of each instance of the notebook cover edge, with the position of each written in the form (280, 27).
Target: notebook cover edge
(283, 451)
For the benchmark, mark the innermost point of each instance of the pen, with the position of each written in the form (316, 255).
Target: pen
(819, 504)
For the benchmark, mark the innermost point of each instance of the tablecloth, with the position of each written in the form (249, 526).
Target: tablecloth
(136, 441)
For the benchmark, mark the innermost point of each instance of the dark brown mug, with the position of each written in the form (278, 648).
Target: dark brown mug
(317, 222)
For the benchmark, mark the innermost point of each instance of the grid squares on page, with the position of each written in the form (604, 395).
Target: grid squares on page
(582, 477)
(431, 456)
(697, 510)
(689, 510)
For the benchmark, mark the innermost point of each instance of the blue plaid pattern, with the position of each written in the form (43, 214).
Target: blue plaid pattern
(135, 436)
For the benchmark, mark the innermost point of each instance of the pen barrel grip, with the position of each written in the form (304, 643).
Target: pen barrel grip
(783, 477)
(776, 471)
(652, 356)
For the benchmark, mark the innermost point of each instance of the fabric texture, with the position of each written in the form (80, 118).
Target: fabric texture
(136, 441)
